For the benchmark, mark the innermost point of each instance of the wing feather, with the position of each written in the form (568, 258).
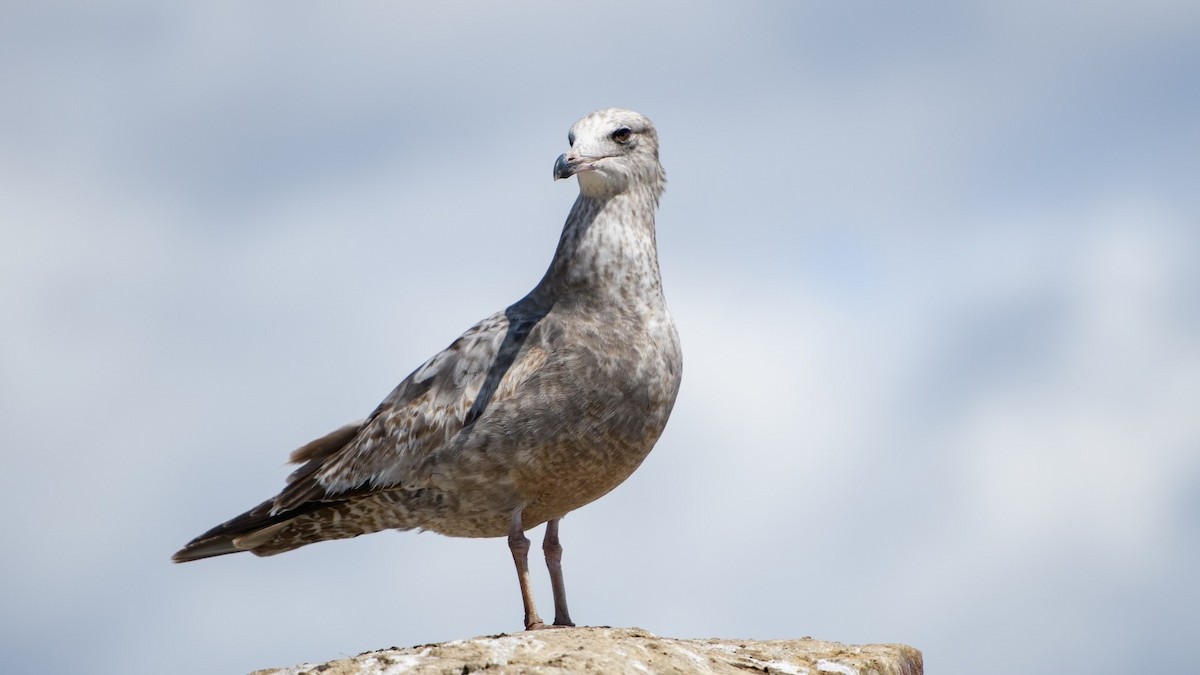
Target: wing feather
(432, 405)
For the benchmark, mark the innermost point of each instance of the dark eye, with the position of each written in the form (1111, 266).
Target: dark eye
(571, 139)
(621, 135)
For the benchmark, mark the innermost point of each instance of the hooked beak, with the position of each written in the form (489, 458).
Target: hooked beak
(568, 164)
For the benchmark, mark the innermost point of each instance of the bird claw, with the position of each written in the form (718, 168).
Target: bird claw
(544, 626)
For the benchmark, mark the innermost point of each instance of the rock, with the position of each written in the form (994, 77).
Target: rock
(622, 650)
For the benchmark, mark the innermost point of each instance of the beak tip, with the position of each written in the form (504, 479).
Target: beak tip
(563, 167)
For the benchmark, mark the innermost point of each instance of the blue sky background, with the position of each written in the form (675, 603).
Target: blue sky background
(934, 266)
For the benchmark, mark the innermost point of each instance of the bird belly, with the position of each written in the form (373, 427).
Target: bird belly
(551, 459)
(548, 484)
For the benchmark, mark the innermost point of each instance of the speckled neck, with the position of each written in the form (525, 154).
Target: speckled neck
(607, 252)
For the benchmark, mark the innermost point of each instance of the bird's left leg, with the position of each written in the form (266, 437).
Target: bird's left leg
(553, 551)
(519, 545)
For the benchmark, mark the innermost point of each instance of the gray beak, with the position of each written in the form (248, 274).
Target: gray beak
(564, 167)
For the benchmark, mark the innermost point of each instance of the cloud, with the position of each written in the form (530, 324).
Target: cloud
(931, 267)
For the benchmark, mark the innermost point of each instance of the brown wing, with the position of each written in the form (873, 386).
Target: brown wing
(369, 458)
(427, 409)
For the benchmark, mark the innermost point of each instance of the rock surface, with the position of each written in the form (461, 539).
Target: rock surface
(622, 650)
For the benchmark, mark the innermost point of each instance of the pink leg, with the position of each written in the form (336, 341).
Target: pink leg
(519, 545)
(553, 551)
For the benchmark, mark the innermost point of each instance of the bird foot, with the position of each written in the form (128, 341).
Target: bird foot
(543, 626)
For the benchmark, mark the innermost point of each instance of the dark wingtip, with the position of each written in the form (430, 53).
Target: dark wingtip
(200, 549)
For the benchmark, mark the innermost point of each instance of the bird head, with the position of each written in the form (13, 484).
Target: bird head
(612, 151)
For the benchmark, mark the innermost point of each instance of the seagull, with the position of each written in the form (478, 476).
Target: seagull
(531, 413)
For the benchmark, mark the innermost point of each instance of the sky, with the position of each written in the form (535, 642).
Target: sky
(933, 265)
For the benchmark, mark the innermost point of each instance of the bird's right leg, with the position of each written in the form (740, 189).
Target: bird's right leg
(519, 545)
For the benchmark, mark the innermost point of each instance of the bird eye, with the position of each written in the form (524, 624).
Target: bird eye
(571, 139)
(621, 135)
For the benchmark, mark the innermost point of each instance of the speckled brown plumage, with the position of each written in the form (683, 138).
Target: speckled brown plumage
(533, 412)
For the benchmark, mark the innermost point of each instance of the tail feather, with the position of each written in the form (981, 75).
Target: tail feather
(253, 530)
(200, 549)
(245, 532)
